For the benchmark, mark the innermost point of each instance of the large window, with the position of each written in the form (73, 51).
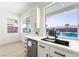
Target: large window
(26, 25)
(64, 23)
(12, 25)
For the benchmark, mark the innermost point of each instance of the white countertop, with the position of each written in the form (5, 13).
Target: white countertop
(73, 44)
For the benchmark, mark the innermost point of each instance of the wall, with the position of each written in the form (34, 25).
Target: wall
(32, 14)
(4, 36)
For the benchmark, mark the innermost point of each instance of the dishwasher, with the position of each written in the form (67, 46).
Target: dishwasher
(31, 48)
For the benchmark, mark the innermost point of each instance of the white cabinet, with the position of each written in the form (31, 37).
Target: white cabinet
(25, 45)
(59, 52)
(54, 52)
(42, 53)
(43, 50)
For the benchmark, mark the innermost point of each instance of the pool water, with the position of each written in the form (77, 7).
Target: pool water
(69, 35)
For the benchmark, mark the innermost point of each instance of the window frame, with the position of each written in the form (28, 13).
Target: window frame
(74, 6)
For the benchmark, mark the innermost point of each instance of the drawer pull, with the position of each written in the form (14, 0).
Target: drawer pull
(41, 46)
(46, 55)
(59, 54)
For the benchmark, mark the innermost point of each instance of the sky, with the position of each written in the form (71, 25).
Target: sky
(69, 17)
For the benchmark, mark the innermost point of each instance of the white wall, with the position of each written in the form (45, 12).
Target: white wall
(4, 36)
(32, 14)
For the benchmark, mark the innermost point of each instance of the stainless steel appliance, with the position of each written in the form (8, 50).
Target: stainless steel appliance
(31, 48)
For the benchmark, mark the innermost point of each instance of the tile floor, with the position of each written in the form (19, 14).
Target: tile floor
(12, 50)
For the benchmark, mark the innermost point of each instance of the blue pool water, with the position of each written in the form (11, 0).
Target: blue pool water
(68, 35)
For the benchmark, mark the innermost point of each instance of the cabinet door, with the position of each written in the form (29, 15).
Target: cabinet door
(42, 53)
(43, 50)
(56, 52)
(71, 54)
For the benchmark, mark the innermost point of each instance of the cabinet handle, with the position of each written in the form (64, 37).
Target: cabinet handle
(59, 54)
(46, 55)
(41, 46)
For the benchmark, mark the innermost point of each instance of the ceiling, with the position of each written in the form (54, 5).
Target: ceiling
(19, 7)
(15, 7)
(58, 6)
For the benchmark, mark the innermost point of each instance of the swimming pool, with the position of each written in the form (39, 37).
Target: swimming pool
(69, 35)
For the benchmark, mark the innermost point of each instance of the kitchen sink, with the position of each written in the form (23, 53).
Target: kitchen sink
(57, 41)
(49, 40)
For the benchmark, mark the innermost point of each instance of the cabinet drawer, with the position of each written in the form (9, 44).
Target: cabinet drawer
(61, 53)
(43, 46)
(54, 52)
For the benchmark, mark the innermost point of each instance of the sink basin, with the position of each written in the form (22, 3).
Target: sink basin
(57, 41)
(66, 43)
(49, 40)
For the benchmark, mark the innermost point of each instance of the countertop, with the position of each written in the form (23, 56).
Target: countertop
(73, 44)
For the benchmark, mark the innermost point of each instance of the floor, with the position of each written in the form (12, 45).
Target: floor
(15, 49)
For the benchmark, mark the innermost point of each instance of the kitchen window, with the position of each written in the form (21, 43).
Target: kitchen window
(64, 23)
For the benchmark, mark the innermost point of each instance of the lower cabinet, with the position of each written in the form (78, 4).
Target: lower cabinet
(25, 46)
(55, 52)
(43, 50)
(43, 53)
(52, 51)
